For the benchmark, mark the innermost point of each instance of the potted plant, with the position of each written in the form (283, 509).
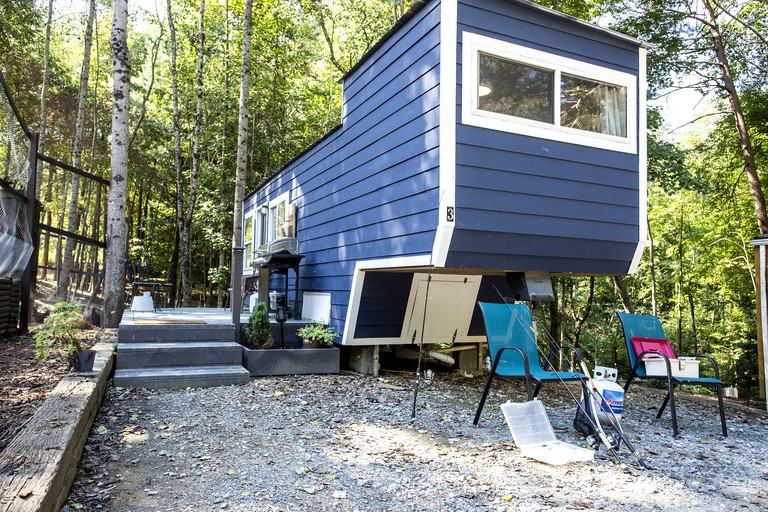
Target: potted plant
(257, 333)
(316, 335)
(58, 335)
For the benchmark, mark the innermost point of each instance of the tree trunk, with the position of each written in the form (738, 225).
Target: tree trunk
(117, 231)
(580, 321)
(626, 301)
(77, 150)
(679, 305)
(186, 228)
(48, 219)
(747, 153)
(44, 99)
(654, 302)
(242, 130)
(177, 157)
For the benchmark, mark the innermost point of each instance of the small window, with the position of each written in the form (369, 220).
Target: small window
(248, 238)
(272, 221)
(513, 88)
(593, 106)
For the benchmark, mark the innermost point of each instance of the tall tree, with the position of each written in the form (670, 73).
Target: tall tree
(186, 220)
(242, 127)
(692, 45)
(177, 158)
(117, 228)
(43, 135)
(62, 287)
(710, 21)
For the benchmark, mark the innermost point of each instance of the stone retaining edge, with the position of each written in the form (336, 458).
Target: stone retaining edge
(39, 465)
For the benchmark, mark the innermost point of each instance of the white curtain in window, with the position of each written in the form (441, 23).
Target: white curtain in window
(613, 110)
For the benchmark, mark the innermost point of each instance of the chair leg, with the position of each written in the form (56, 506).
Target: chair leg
(536, 391)
(672, 407)
(722, 410)
(482, 398)
(663, 406)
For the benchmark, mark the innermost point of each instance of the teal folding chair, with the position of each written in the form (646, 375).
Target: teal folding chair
(513, 350)
(644, 336)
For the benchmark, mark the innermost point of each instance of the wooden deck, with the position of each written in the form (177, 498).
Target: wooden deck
(170, 316)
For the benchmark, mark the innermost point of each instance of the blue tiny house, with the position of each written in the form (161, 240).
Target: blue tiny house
(477, 139)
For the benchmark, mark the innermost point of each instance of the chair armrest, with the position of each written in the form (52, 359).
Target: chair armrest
(575, 350)
(526, 364)
(711, 360)
(642, 355)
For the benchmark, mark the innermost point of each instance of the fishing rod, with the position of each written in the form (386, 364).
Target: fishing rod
(592, 418)
(421, 343)
(423, 326)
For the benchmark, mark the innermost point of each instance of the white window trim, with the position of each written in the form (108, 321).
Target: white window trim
(248, 217)
(257, 234)
(472, 44)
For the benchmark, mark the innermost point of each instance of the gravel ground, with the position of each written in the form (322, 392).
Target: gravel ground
(348, 442)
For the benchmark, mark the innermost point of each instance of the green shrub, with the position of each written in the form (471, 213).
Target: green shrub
(58, 334)
(317, 332)
(257, 333)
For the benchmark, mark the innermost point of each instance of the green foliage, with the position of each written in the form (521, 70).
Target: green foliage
(317, 332)
(219, 275)
(58, 334)
(257, 333)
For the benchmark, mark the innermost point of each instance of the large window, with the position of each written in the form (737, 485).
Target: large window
(515, 89)
(512, 88)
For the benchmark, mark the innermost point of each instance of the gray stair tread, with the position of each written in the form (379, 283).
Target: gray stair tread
(172, 371)
(170, 345)
(182, 377)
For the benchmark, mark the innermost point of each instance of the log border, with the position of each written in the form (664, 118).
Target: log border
(39, 465)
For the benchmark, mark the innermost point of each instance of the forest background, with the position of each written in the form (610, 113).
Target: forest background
(703, 209)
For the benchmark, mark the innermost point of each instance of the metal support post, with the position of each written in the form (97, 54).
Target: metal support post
(237, 288)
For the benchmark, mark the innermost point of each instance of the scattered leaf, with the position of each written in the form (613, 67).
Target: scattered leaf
(102, 430)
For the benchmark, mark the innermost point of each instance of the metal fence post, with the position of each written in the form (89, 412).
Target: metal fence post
(237, 288)
(32, 211)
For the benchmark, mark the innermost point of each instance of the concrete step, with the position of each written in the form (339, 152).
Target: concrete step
(196, 353)
(175, 332)
(179, 377)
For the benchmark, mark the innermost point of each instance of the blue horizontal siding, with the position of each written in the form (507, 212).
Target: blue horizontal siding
(535, 29)
(527, 203)
(399, 52)
(552, 158)
(528, 252)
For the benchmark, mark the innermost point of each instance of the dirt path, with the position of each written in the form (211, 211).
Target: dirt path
(24, 383)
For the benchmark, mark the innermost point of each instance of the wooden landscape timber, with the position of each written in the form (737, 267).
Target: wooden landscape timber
(38, 467)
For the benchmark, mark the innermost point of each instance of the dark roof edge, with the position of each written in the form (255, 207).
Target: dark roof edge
(613, 33)
(303, 152)
(415, 7)
(419, 4)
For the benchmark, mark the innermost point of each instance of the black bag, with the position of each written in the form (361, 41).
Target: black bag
(584, 420)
